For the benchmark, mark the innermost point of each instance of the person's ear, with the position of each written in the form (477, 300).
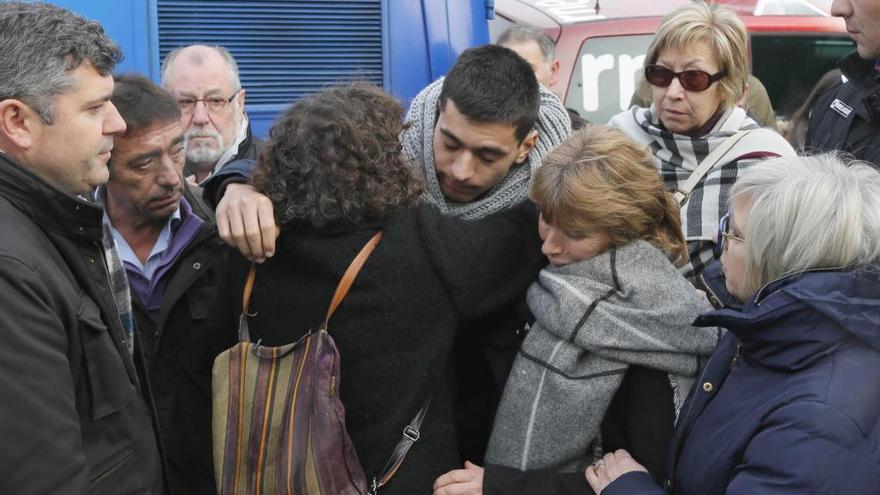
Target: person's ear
(554, 72)
(744, 99)
(18, 123)
(526, 146)
(241, 95)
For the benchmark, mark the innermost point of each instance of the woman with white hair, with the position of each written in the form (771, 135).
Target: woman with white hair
(697, 67)
(789, 401)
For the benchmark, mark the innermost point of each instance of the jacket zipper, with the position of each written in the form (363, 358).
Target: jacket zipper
(736, 355)
(711, 292)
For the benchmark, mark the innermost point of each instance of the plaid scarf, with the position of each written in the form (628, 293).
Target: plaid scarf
(593, 319)
(119, 287)
(553, 127)
(676, 156)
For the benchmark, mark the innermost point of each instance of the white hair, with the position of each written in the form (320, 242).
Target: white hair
(198, 59)
(808, 213)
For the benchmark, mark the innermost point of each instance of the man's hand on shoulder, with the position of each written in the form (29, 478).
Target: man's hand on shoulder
(245, 221)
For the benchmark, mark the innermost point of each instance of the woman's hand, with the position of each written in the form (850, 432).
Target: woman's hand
(610, 467)
(467, 481)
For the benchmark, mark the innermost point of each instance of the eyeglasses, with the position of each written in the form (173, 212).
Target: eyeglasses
(213, 104)
(691, 80)
(724, 233)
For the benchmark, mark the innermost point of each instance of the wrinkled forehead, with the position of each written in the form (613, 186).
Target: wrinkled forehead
(200, 75)
(698, 49)
(530, 51)
(158, 137)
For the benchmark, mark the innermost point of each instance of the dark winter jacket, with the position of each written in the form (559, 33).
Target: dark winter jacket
(171, 349)
(395, 329)
(847, 116)
(236, 170)
(788, 403)
(74, 415)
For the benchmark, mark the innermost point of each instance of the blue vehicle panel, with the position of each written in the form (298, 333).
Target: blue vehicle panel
(287, 49)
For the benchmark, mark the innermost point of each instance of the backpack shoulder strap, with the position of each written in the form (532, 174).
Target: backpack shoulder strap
(350, 274)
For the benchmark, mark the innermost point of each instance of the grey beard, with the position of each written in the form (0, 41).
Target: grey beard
(202, 156)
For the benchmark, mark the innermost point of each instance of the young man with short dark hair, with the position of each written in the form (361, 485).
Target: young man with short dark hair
(478, 134)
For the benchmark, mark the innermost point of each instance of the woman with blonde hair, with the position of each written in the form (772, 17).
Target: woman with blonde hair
(611, 302)
(697, 67)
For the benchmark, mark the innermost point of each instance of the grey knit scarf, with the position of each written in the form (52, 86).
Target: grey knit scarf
(594, 318)
(553, 127)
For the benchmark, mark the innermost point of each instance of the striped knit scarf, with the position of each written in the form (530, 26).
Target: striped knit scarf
(676, 156)
(119, 286)
(553, 127)
(593, 319)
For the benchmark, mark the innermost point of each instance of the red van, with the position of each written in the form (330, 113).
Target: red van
(601, 45)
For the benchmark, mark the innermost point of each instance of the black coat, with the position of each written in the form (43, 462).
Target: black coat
(395, 329)
(74, 416)
(171, 349)
(847, 116)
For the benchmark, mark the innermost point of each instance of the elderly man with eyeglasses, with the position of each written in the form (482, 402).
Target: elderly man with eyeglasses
(205, 81)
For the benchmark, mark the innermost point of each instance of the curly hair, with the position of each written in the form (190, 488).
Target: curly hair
(602, 178)
(336, 157)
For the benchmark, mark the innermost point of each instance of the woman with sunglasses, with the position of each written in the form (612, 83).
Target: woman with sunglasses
(697, 69)
(788, 403)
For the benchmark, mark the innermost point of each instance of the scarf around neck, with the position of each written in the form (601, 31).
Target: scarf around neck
(676, 156)
(593, 319)
(553, 127)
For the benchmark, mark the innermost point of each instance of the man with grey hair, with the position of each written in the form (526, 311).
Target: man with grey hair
(539, 51)
(76, 411)
(205, 81)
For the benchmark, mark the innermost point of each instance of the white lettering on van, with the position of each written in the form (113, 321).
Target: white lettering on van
(629, 68)
(591, 67)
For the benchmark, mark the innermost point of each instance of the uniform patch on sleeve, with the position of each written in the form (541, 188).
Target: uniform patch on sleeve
(841, 108)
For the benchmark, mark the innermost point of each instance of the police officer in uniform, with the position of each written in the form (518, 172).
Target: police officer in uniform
(847, 116)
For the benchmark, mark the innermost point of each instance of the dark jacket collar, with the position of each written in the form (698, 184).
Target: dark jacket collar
(48, 207)
(862, 75)
(793, 322)
(858, 70)
(200, 208)
(248, 147)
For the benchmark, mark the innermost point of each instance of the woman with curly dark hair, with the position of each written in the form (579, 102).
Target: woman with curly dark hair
(334, 172)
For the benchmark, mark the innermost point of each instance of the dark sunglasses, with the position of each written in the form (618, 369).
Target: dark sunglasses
(691, 80)
(724, 234)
